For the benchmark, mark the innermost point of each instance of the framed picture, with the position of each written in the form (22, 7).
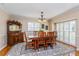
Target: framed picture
(43, 26)
(46, 27)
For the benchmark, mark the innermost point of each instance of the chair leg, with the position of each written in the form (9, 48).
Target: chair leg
(51, 45)
(25, 47)
(34, 49)
(38, 47)
(55, 43)
(45, 46)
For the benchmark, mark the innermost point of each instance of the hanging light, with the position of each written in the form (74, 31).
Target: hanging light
(42, 17)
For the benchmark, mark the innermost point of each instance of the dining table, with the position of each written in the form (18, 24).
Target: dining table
(36, 40)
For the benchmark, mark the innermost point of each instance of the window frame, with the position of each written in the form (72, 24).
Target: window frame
(65, 31)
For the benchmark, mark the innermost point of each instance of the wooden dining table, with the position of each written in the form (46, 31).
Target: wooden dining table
(36, 41)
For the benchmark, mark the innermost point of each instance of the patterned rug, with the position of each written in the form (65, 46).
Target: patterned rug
(57, 50)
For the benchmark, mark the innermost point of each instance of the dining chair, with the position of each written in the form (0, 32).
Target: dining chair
(50, 38)
(41, 40)
(41, 34)
(30, 44)
(21, 37)
(54, 38)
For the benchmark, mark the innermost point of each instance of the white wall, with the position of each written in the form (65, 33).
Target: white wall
(25, 20)
(3, 29)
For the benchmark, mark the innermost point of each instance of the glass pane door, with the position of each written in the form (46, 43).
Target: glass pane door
(66, 32)
(61, 32)
(72, 32)
(58, 31)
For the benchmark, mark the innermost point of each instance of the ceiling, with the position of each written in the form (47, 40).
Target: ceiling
(34, 9)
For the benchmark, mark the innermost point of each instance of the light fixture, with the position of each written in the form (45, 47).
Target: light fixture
(42, 19)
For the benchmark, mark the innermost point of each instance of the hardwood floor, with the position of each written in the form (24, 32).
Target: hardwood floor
(77, 53)
(5, 50)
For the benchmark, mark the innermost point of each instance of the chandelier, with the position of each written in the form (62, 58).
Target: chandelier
(42, 16)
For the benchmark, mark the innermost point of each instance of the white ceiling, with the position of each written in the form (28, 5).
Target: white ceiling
(34, 9)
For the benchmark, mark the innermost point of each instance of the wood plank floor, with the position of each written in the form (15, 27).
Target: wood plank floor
(77, 53)
(6, 49)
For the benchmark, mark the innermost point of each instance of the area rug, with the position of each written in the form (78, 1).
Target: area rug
(57, 50)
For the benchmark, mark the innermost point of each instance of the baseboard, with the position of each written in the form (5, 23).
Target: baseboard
(77, 49)
(67, 44)
(3, 47)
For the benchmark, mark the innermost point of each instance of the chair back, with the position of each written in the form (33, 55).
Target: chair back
(55, 33)
(50, 34)
(41, 34)
(21, 37)
(25, 37)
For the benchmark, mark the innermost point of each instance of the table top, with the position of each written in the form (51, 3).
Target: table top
(32, 36)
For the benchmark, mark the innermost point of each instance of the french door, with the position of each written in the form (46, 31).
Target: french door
(66, 32)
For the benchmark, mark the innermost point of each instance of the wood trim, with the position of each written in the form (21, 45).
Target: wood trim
(66, 44)
(3, 47)
(77, 53)
(4, 51)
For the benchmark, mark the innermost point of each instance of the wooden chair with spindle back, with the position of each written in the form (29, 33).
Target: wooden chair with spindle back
(21, 37)
(54, 38)
(30, 44)
(41, 40)
(41, 34)
(50, 38)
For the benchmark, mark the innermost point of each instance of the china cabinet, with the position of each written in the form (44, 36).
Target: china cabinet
(14, 34)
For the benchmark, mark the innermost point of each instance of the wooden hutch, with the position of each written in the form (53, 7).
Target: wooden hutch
(14, 34)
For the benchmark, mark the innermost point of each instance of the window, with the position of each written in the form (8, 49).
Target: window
(61, 31)
(58, 30)
(66, 32)
(33, 27)
(72, 32)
